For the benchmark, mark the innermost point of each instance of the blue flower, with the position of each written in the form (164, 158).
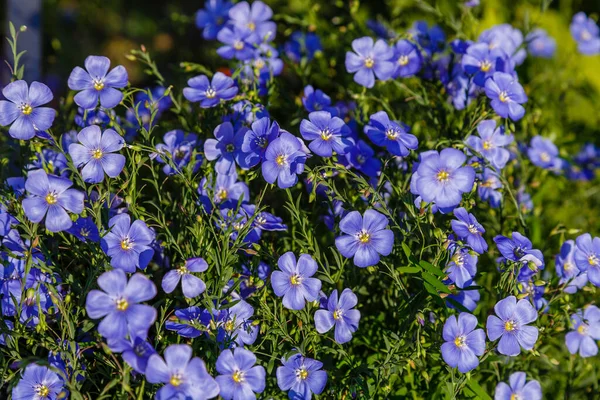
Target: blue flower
(213, 17)
(263, 220)
(180, 147)
(518, 389)
(236, 326)
(210, 93)
(362, 157)
(370, 60)
(51, 161)
(468, 229)
(23, 110)
(488, 188)
(587, 257)
(6, 221)
(507, 38)
(462, 268)
(118, 304)
(225, 192)
(255, 19)
(257, 139)
(294, 281)
(463, 342)
(442, 179)
(511, 326)
(490, 143)
(85, 229)
(380, 29)
(301, 376)
(96, 82)
(236, 43)
(327, 134)
(51, 197)
(136, 351)
(507, 95)
(239, 377)
(284, 160)
(432, 40)
(543, 153)
(39, 382)
(585, 333)
(227, 149)
(519, 249)
(481, 61)
(191, 285)
(190, 322)
(390, 134)
(341, 314)
(315, 100)
(128, 245)
(586, 33)
(95, 153)
(302, 45)
(407, 59)
(540, 44)
(184, 377)
(366, 237)
(466, 298)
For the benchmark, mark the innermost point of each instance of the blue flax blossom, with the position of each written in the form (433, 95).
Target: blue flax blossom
(95, 82)
(540, 44)
(466, 298)
(587, 257)
(39, 383)
(488, 188)
(362, 157)
(302, 45)
(511, 326)
(301, 376)
(226, 192)
(191, 285)
(390, 134)
(180, 147)
(507, 95)
(468, 229)
(6, 221)
(517, 389)
(432, 40)
(442, 178)
(491, 142)
(190, 322)
(118, 304)
(407, 59)
(315, 100)
(213, 17)
(544, 154)
(236, 43)
(22, 109)
(507, 38)
(184, 377)
(50, 197)
(256, 140)
(128, 245)
(326, 133)
(366, 237)
(85, 229)
(284, 160)
(136, 351)
(482, 61)
(226, 148)
(294, 282)
(369, 60)
(210, 93)
(235, 325)
(463, 342)
(51, 161)
(519, 249)
(95, 153)
(586, 33)
(239, 377)
(341, 314)
(567, 270)
(462, 268)
(255, 19)
(586, 331)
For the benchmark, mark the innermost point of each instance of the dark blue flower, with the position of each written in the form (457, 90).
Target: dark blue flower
(362, 157)
(519, 249)
(213, 17)
(210, 93)
(22, 109)
(488, 188)
(136, 351)
(316, 100)
(95, 82)
(227, 149)
(432, 40)
(390, 134)
(407, 59)
(190, 322)
(85, 229)
(257, 140)
(301, 45)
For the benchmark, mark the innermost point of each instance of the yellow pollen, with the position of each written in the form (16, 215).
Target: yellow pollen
(460, 341)
(97, 154)
(238, 376)
(503, 97)
(26, 109)
(238, 45)
(369, 62)
(295, 279)
(545, 157)
(280, 160)
(510, 326)
(251, 26)
(259, 63)
(337, 314)
(42, 391)
(443, 176)
(391, 134)
(229, 325)
(364, 237)
(592, 259)
(51, 198)
(487, 145)
(211, 93)
(222, 194)
(182, 270)
(326, 134)
(122, 305)
(176, 380)
(486, 66)
(514, 396)
(98, 85)
(582, 329)
(126, 244)
(585, 35)
(302, 373)
(403, 60)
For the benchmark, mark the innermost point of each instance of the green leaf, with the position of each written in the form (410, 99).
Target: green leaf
(431, 268)
(433, 281)
(474, 386)
(408, 270)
